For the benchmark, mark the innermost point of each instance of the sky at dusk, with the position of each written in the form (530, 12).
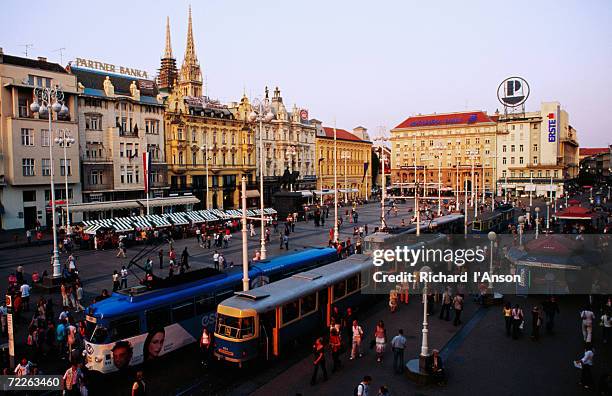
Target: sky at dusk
(358, 62)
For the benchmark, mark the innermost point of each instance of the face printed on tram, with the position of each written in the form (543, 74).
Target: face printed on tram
(154, 344)
(122, 354)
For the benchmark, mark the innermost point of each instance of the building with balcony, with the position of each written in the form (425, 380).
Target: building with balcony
(204, 137)
(449, 143)
(289, 145)
(533, 149)
(120, 118)
(353, 159)
(25, 143)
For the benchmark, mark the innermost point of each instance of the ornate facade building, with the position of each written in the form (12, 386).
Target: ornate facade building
(289, 146)
(196, 126)
(120, 118)
(354, 156)
(451, 143)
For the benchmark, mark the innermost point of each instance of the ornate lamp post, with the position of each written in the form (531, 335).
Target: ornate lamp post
(439, 147)
(345, 156)
(64, 140)
(382, 138)
(521, 221)
(51, 101)
(261, 112)
(205, 149)
(472, 154)
(537, 221)
(492, 237)
(425, 332)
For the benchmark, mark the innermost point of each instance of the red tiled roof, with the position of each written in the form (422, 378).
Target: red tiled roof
(472, 117)
(592, 150)
(341, 134)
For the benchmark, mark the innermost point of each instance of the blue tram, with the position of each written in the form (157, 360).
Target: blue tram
(146, 324)
(496, 221)
(264, 321)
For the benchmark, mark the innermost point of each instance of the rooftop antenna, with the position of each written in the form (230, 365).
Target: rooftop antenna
(26, 46)
(61, 53)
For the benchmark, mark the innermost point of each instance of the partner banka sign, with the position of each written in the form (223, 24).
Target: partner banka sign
(513, 92)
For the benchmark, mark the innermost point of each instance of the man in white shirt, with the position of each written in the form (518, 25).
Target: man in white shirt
(364, 386)
(216, 260)
(398, 344)
(587, 317)
(25, 296)
(606, 322)
(23, 368)
(586, 364)
(357, 332)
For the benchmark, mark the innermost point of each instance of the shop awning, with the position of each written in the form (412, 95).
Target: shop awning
(170, 201)
(101, 206)
(176, 218)
(305, 193)
(252, 194)
(348, 190)
(324, 192)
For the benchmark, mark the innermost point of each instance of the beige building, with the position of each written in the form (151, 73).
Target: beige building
(448, 143)
(534, 147)
(25, 141)
(289, 145)
(120, 117)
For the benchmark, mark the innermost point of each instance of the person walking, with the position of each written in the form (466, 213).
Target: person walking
(363, 387)
(286, 241)
(319, 361)
(517, 321)
(79, 297)
(198, 234)
(121, 252)
(446, 304)
(335, 344)
(25, 296)
(185, 258)
(536, 322)
(216, 260)
(221, 261)
(458, 306)
(205, 342)
(380, 338)
(139, 387)
(508, 318)
(587, 317)
(606, 326)
(161, 258)
(357, 333)
(586, 365)
(398, 345)
(124, 276)
(72, 380)
(172, 255)
(115, 283)
(551, 308)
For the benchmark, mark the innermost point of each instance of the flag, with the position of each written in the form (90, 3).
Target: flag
(366, 165)
(146, 165)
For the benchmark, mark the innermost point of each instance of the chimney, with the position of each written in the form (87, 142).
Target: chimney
(42, 59)
(1, 55)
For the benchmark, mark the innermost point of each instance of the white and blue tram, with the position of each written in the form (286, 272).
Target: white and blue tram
(173, 316)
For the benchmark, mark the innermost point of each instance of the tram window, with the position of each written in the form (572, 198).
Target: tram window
(246, 327)
(205, 304)
(339, 290)
(352, 284)
(125, 328)
(158, 318)
(308, 304)
(290, 312)
(224, 295)
(182, 311)
(477, 225)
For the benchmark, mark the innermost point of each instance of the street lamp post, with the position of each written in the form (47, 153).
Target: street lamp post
(457, 205)
(245, 251)
(472, 153)
(382, 138)
(492, 236)
(505, 188)
(425, 332)
(321, 179)
(521, 221)
(465, 211)
(64, 140)
(204, 149)
(345, 156)
(262, 111)
(336, 183)
(547, 215)
(530, 187)
(537, 221)
(51, 101)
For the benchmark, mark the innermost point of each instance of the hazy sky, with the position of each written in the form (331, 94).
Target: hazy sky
(359, 62)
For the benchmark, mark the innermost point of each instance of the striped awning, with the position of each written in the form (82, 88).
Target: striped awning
(195, 217)
(176, 218)
(122, 224)
(92, 229)
(141, 222)
(220, 214)
(159, 221)
(208, 215)
(233, 213)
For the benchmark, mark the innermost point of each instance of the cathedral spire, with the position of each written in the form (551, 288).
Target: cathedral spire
(168, 50)
(190, 77)
(190, 55)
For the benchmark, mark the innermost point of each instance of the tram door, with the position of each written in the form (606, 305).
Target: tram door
(267, 321)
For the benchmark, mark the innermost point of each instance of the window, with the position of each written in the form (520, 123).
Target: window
(308, 304)
(128, 150)
(556, 173)
(547, 173)
(521, 148)
(182, 311)
(504, 148)
(121, 149)
(27, 137)
(511, 160)
(124, 328)
(95, 177)
(503, 173)
(44, 137)
(477, 140)
(535, 159)
(535, 147)
(29, 196)
(520, 160)
(205, 304)
(180, 157)
(93, 122)
(352, 284)
(65, 167)
(339, 290)
(129, 175)
(504, 160)
(179, 134)
(194, 157)
(290, 312)
(194, 135)
(158, 318)
(28, 166)
(512, 148)
(46, 166)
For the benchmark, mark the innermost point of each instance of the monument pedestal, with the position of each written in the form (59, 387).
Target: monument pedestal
(49, 284)
(416, 371)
